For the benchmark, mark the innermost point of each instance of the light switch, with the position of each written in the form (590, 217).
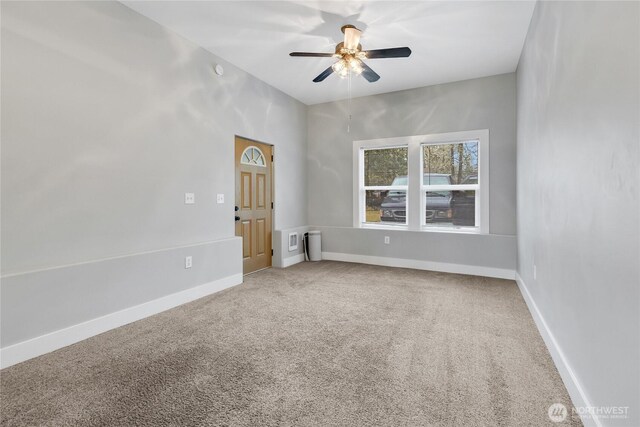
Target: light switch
(220, 198)
(189, 198)
(188, 262)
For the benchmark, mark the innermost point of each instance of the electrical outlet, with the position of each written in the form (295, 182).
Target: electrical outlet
(188, 262)
(220, 198)
(535, 272)
(387, 240)
(189, 198)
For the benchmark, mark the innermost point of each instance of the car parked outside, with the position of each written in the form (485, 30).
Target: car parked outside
(463, 204)
(438, 206)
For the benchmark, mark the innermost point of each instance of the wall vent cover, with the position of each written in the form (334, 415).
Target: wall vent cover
(293, 241)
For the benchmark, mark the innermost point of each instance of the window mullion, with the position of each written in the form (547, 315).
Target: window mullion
(413, 191)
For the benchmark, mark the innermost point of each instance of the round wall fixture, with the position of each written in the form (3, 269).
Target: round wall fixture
(218, 69)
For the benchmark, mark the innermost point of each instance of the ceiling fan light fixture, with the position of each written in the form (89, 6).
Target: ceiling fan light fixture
(355, 65)
(339, 66)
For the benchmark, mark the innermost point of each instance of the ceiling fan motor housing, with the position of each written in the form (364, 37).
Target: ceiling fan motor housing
(341, 50)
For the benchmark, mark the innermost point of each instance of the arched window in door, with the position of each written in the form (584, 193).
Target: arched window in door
(252, 156)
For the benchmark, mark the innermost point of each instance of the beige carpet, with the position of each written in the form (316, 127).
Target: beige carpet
(320, 344)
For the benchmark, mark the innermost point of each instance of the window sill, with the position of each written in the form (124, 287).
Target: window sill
(423, 229)
(401, 227)
(469, 230)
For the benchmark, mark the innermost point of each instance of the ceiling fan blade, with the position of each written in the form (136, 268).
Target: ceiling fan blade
(368, 73)
(322, 55)
(351, 37)
(392, 52)
(323, 75)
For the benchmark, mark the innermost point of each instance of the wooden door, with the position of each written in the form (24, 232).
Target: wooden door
(253, 202)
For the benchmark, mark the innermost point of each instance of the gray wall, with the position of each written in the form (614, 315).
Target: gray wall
(486, 103)
(44, 301)
(282, 256)
(480, 250)
(107, 120)
(578, 190)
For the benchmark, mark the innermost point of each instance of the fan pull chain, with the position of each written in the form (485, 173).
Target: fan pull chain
(349, 105)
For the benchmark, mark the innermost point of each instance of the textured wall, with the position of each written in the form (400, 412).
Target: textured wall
(107, 120)
(486, 103)
(282, 257)
(578, 190)
(478, 250)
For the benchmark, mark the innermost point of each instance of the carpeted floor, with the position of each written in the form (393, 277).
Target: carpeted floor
(317, 344)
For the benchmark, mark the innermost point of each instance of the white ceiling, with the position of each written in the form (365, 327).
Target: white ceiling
(450, 40)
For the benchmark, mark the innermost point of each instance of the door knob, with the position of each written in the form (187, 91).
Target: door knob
(237, 218)
(236, 209)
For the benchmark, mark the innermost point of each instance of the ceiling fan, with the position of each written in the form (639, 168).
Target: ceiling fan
(350, 55)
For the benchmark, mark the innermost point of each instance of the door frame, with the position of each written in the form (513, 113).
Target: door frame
(273, 192)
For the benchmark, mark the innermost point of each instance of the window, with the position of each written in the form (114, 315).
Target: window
(385, 186)
(450, 184)
(428, 182)
(252, 156)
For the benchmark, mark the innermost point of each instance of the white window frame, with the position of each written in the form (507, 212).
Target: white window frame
(416, 205)
(362, 189)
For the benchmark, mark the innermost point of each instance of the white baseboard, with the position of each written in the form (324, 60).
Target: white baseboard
(474, 270)
(292, 260)
(571, 382)
(43, 344)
